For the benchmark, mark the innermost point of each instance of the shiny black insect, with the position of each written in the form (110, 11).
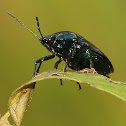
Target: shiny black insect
(76, 51)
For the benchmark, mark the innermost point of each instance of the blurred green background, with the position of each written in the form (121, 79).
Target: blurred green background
(103, 22)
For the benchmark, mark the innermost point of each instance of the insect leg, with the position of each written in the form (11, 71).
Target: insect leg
(40, 62)
(79, 85)
(91, 63)
(57, 63)
(56, 66)
(67, 61)
(70, 55)
(61, 82)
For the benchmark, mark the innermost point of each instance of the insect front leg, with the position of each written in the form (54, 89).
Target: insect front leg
(36, 70)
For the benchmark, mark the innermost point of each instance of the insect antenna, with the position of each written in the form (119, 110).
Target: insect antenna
(23, 25)
(39, 27)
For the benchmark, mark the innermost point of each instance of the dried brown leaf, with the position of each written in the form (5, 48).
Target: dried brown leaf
(4, 120)
(19, 101)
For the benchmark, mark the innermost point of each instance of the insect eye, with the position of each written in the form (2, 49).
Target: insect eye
(49, 39)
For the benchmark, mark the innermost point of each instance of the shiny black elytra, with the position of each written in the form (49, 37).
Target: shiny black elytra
(76, 51)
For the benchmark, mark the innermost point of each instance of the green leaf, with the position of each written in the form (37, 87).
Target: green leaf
(21, 97)
(97, 81)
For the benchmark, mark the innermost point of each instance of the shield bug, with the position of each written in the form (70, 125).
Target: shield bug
(77, 52)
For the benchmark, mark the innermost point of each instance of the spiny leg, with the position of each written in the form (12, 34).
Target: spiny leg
(79, 85)
(40, 62)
